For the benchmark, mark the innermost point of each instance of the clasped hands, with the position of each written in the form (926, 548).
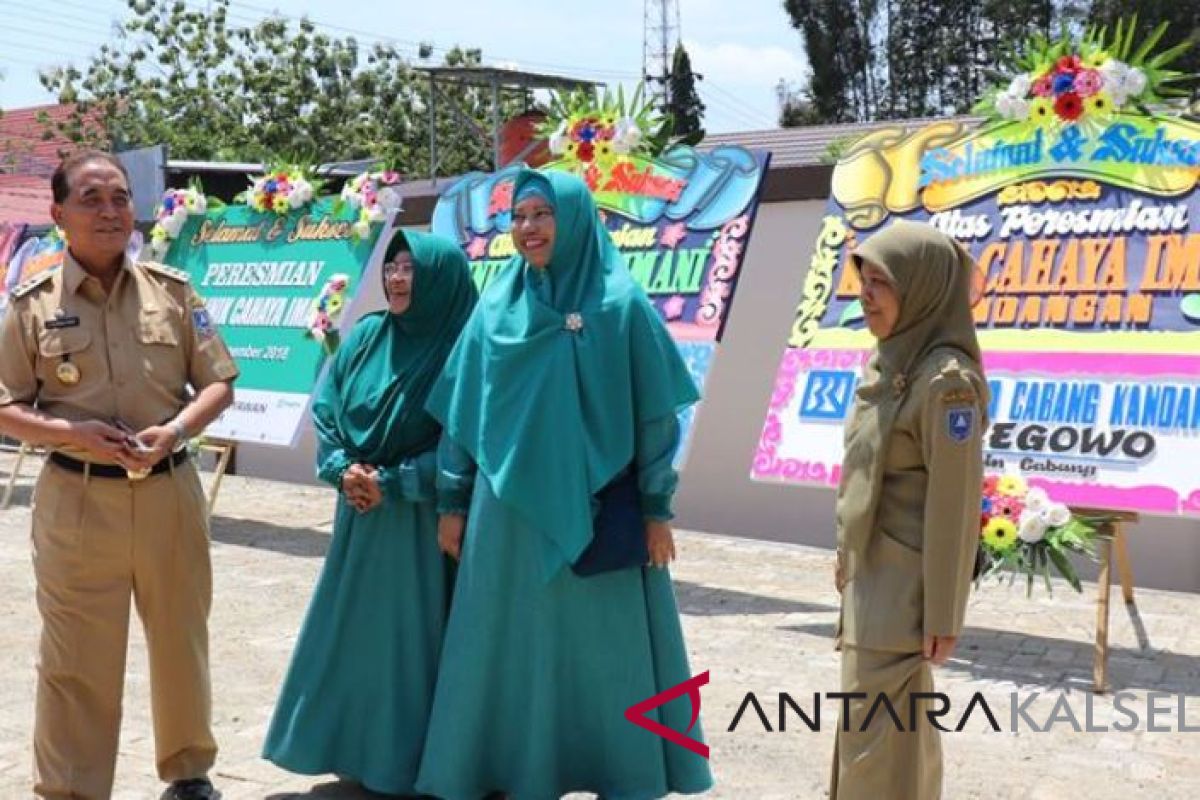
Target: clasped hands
(360, 484)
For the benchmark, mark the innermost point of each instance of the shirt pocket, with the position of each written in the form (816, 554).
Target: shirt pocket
(54, 344)
(156, 329)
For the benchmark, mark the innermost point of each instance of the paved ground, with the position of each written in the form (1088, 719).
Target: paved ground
(758, 616)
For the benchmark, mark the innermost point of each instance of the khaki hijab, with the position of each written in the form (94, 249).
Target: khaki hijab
(932, 274)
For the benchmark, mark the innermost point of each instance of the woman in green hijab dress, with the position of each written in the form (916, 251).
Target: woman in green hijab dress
(563, 380)
(907, 509)
(357, 695)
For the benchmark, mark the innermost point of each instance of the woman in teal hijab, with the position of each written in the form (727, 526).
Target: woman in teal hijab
(357, 695)
(563, 378)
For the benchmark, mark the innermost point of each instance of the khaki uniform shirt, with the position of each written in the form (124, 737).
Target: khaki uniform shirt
(915, 576)
(134, 350)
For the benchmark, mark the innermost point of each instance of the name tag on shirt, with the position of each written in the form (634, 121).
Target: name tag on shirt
(61, 322)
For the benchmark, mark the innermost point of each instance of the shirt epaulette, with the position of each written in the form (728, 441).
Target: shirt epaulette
(170, 272)
(28, 286)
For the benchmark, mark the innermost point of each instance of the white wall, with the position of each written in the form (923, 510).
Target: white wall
(716, 493)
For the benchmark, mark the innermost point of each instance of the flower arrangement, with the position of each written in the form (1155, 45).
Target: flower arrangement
(327, 308)
(1058, 84)
(172, 213)
(1024, 531)
(281, 189)
(585, 131)
(373, 195)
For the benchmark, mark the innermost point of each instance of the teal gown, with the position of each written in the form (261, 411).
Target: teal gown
(562, 377)
(536, 676)
(357, 695)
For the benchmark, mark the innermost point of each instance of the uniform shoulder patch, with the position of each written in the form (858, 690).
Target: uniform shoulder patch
(28, 286)
(163, 269)
(960, 421)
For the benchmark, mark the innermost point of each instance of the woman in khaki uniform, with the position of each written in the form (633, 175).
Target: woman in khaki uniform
(907, 508)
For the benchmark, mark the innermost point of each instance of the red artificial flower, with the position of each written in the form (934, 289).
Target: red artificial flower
(1068, 106)
(984, 519)
(586, 151)
(1069, 64)
(989, 484)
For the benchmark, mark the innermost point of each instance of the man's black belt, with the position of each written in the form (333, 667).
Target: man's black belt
(115, 470)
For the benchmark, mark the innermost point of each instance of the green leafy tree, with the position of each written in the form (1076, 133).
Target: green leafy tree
(684, 106)
(896, 59)
(277, 89)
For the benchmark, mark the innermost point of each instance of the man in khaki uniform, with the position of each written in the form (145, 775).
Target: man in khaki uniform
(908, 509)
(96, 361)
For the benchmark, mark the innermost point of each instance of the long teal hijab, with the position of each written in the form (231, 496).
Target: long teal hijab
(549, 413)
(372, 404)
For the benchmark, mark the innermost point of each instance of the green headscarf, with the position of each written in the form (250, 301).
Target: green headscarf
(932, 274)
(550, 414)
(372, 404)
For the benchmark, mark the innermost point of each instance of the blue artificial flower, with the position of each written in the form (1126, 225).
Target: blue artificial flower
(1063, 83)
(270, 186)
(987, 505)
(169, 204)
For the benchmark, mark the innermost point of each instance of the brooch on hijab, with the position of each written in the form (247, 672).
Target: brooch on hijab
(899, 384)
(573, 322)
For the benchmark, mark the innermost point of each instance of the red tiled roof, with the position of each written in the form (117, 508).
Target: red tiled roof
(25, 198)
(26, 162)
(22, 142)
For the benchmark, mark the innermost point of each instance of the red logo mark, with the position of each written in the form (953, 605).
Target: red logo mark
(691, 687)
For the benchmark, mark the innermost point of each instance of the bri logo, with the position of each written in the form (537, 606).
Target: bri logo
(691, 687)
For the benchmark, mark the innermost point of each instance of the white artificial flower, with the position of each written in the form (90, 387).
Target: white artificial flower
(376, 214)
(351, 196)
(1020, 109)
(180, 211)
(627, 134)
(301, 193)
(1036, 499)
(1135, 82)
(1057, 514)
(388, 199)
(362, 229)
(198, 203)
(173, 224)
(1114, 73)
(1031, 527)
(558, 140)
(1019, 87)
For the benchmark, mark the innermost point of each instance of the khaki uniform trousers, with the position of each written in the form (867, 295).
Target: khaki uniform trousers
(883, 763)
(96, 542)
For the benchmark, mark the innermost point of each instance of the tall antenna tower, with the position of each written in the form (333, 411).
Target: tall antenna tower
(660, 34)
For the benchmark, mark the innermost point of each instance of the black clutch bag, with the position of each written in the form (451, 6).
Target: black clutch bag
(618, 529)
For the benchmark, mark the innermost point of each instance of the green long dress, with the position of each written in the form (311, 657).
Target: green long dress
(357, 695)
(539, 665)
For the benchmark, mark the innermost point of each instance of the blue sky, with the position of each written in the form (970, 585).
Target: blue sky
(742, 47)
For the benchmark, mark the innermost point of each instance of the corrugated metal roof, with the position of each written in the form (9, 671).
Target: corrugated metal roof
(808, 146)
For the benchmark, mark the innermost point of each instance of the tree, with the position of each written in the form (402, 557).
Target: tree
(684, 106)
(895, 59)
(277, 89)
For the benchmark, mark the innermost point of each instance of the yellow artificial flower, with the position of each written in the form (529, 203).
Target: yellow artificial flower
(1095, 59)
(1000, 534)
(1041, 111)
(604, 151)
(280, 205)
(1098, 105)
(334, 304)
(1011, 485)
